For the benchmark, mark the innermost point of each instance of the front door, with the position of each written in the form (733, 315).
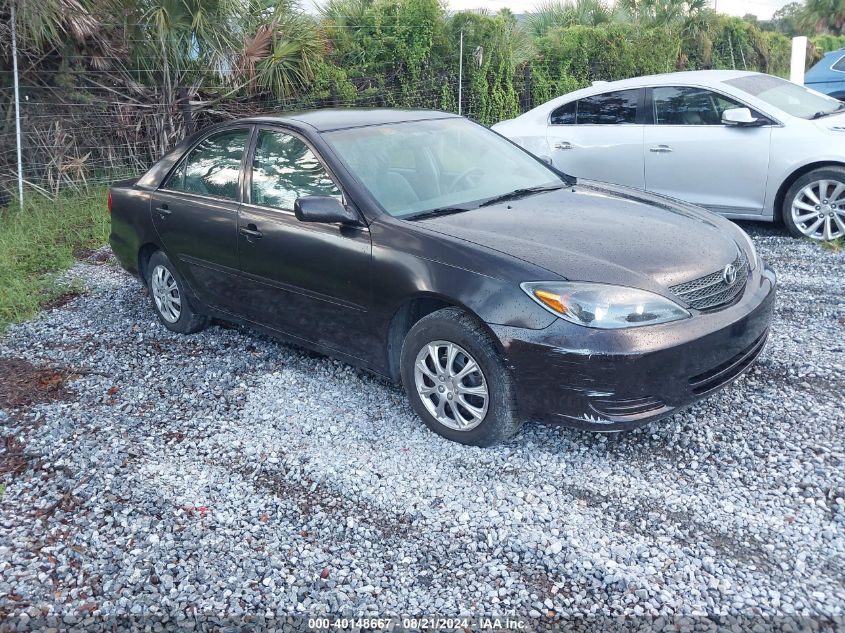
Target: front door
(307, 279)
(600, 137)
(195, 213)
(691, 155)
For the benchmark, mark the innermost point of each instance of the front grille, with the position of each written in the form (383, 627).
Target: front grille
(714, 378)
(711, 291)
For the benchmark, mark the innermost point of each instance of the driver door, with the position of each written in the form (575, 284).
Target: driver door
(691, 155)
(306, 279)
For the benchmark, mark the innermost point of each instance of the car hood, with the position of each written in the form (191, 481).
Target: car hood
(602, 233)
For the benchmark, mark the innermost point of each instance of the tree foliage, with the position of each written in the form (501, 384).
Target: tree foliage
(152, 70)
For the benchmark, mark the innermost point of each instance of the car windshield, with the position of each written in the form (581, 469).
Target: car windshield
(787, 96)
(439, 165)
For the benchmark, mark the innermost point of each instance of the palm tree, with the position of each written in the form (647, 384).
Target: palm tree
(825, 16)
(554, 13)
(282, 54)
(47, 24)
(663, 12)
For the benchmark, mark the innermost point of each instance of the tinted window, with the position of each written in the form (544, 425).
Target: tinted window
(676, 105)
(284, 168)
(564, 115)
(840, 65)
(611, 108)
(213, 167)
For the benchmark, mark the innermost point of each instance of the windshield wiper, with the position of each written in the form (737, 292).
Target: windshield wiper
(520, 193)
(433, 213)
(823, 113)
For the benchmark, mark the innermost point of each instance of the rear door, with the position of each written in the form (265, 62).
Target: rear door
(691, 155)
(600, 137)
(195, 213)
(307, 279)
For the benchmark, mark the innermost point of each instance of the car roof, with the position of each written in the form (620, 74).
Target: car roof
(838, 51)
(691, 77)
(341, 118)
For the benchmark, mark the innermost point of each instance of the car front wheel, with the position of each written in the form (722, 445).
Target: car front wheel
(814, 206)
(455, 380)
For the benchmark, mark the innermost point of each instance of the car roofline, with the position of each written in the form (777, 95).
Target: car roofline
(367, 117)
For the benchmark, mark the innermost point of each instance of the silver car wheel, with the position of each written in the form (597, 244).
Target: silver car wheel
(819, 210)
(451, 385)
(166, 294)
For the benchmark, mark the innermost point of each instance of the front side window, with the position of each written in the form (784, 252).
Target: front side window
(683, 105)
(611, 108)
(419, 166)
(283, 169)
(213, 167)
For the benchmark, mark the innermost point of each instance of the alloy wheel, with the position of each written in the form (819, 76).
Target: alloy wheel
(166, 294)
(819, 210)
(451, 385)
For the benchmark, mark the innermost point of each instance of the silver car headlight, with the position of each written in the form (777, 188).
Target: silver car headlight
(752, 252)
(603, 306)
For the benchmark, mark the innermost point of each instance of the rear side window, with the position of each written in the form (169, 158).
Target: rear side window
(283, 169)
(840, 65)
(565, 114)
(611, 108)
(213, 167)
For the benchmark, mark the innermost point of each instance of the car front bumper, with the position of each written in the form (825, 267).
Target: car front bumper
(614, 380)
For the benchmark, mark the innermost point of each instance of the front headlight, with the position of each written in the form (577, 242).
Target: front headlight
(752, 252)
(602, 305)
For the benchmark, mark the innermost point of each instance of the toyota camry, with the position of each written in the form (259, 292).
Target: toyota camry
(431, 250)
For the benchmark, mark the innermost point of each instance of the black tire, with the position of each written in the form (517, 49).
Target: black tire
(455, 326)
(834, 174)
(189, 320)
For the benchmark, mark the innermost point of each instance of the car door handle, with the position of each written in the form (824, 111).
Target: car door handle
(251, 232)
(661, 149)
(563, 145)
(163, 211)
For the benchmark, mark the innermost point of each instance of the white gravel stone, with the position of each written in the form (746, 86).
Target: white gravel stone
(229, 474)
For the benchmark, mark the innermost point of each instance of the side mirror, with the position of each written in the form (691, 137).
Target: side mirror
(739, 117)
(323, 209)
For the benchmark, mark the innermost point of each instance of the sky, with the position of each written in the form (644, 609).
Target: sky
(763, 9)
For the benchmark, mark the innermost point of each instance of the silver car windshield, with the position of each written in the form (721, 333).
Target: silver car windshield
(787, 96)
(421, 166)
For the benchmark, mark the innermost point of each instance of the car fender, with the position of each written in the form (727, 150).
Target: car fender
(798, 148)
(423, 263)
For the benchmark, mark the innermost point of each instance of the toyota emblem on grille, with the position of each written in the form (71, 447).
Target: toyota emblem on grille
(729, 274)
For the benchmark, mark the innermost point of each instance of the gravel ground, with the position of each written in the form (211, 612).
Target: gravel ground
(226, 474)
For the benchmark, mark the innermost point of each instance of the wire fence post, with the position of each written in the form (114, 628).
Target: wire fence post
(460, 71)
(17, 105)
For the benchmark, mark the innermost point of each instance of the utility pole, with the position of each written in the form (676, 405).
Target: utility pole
(17, 104)
(460, 72)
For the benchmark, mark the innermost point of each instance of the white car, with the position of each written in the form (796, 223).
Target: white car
(746, 145)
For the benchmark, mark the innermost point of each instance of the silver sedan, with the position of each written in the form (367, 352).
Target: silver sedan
(746, 145)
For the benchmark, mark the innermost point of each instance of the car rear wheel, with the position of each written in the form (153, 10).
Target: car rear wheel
(814, 206)
(456, 381)
(167, 292)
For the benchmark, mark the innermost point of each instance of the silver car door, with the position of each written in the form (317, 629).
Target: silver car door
(600, 137)
(691, 155)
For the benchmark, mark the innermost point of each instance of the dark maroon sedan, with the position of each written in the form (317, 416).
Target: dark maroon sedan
(431, 250)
